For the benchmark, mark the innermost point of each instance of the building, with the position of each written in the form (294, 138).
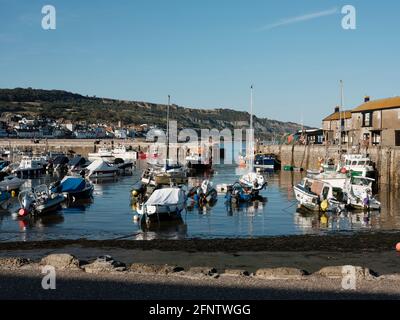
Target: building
(377, 122)
(310, 136)
(335, 123)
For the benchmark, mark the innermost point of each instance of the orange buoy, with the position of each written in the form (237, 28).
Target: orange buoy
(398, 247)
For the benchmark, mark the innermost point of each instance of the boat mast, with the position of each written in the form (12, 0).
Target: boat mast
(251, 140)
(169, 102)
(340, 116)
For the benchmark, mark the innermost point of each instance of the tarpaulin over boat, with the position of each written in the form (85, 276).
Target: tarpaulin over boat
(69, 184)
(76, 161)
(61, 160)
(100, 165)
(167, 196)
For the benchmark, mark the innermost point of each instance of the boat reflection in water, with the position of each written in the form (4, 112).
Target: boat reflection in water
(77, 205)
(174, 230)
(345, 221)
(251, 209)
(40, 222)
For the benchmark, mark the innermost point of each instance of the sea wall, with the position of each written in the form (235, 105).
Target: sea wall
(387, 159)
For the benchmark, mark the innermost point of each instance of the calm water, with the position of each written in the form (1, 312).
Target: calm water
(110, 216)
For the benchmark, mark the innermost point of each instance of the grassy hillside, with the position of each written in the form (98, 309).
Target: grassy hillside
(59, 104)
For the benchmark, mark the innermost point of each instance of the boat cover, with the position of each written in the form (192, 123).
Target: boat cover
(166, 196)
(61, 160)
(100, 165)
(75, 161)
(69, 184)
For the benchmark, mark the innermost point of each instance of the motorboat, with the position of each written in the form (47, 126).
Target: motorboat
(238, 193)
(104, 154)
(39, 201)
(29, 167)
(317, 195)
(359, 194)
(164, 204)
(204, 194)
(359, 165)
(74, 188)
(11, 183)
(100, 169)
(254, 181)
(121, 152)
(267, 161)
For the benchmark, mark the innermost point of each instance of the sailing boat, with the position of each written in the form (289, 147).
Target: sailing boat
(252, 180)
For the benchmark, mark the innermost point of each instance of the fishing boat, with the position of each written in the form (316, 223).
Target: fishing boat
(38, 202)
(359, 165)
(359, 194)
(317, 195)
(204, 194)
(100, 169)
(104, 154)
(267, 161)
(74, 188)
(164, 204)
(10, 183)
(123, 153)
(29, 167)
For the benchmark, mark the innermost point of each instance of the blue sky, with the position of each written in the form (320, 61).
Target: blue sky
(206, 53)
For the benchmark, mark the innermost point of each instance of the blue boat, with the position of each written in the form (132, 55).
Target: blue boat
(267, 162)
(237, 193)
(74, 188)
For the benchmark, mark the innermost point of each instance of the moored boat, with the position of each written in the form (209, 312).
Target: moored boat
(164, 204)
(74, 188)
(100, 169)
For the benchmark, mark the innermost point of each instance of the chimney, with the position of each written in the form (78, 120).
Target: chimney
(337, 109)
(367, 99)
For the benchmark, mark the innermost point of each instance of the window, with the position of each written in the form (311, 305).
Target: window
(367, 119)
(376, 137)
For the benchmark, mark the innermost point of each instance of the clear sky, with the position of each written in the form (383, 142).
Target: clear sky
(207, 53)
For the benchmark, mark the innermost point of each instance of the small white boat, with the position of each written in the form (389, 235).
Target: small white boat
(100, 169)
(11, 183)
(359, 193)
(163, 205)
(311, 194)
(103, 153)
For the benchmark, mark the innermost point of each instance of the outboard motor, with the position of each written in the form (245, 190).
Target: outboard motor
(26, 205)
